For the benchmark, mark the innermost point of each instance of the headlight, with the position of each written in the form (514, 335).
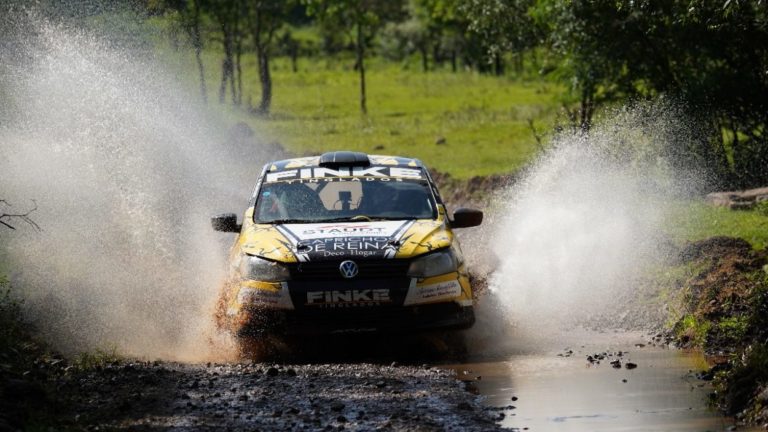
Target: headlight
(434, 264)
(255, 268)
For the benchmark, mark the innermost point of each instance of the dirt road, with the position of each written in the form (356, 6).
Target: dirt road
(603, 381)
(168, 396)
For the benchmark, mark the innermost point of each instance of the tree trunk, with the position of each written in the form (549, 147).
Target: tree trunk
(361, 66)
(585, 122)
(237, 94)
(262, 31)
(498, 65)
(424, 58)
(232, 83)
(227, 66)
(239, 71)
(518, 62)
(535, 60)
(198, 44)
(437, 58)
(453, 61)
(266, 83)
(718, 156)
(294, 59)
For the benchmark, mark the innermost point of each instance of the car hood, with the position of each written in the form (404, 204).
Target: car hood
(345, 240)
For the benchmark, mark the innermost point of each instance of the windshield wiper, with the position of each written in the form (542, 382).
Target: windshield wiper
(339, 219)
(364, 218)
(288, 221)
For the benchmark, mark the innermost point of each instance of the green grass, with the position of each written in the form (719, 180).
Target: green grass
(691, 221)
(483, 119)
(695, 329)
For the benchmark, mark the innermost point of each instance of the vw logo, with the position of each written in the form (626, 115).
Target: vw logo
(348, 269)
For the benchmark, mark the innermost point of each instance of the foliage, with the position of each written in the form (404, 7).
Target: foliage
(692, 329)
(504, 25)
(710, 55)
(739, 385)
(345, 15)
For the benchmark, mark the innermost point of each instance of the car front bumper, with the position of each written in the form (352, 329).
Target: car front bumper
(393, 319)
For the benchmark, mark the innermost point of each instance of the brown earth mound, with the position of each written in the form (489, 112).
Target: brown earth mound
(726, 284)
(726, 313)
(474, 192)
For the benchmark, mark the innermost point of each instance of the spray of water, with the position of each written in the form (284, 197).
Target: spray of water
(574, 236)
(127, 166)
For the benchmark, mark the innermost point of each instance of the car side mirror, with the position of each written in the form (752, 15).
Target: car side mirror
(226, 222)
(465, 218)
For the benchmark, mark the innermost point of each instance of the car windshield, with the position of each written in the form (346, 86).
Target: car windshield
(322, 201)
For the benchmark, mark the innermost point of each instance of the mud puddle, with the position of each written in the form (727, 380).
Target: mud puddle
(556, 387)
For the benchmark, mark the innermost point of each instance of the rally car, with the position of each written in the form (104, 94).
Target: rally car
(346, 242)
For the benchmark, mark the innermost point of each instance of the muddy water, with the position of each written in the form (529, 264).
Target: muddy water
(543, 388)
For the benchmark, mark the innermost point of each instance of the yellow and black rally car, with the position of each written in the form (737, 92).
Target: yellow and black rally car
(346, 242)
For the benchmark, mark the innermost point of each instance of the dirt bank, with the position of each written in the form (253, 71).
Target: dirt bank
(474, 192)
(724, 310)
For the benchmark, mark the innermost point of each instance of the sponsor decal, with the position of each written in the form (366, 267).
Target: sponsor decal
(348, 298)
(368, 173)
(433, 292)
(342, 240)
(342, 246)
(324, 230)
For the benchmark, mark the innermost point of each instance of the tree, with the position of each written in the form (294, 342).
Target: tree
(265, 17)
(444, 30)
(290, 46)
(711, 56)
(503, 26)
(361, 19)
(227, 14)
(190, 13)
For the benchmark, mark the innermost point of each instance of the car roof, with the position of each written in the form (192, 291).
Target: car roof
(315, 161)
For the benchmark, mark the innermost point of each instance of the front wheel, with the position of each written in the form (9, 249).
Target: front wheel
(264, 347)
(451, 345)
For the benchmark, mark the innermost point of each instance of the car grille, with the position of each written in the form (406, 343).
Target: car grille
(328, 320)
(367, 269)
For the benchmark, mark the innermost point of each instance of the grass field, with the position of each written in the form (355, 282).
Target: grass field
(692, 221)
(482, 119)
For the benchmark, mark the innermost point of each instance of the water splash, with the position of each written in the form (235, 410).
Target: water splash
(127, 166)
(585, 223)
